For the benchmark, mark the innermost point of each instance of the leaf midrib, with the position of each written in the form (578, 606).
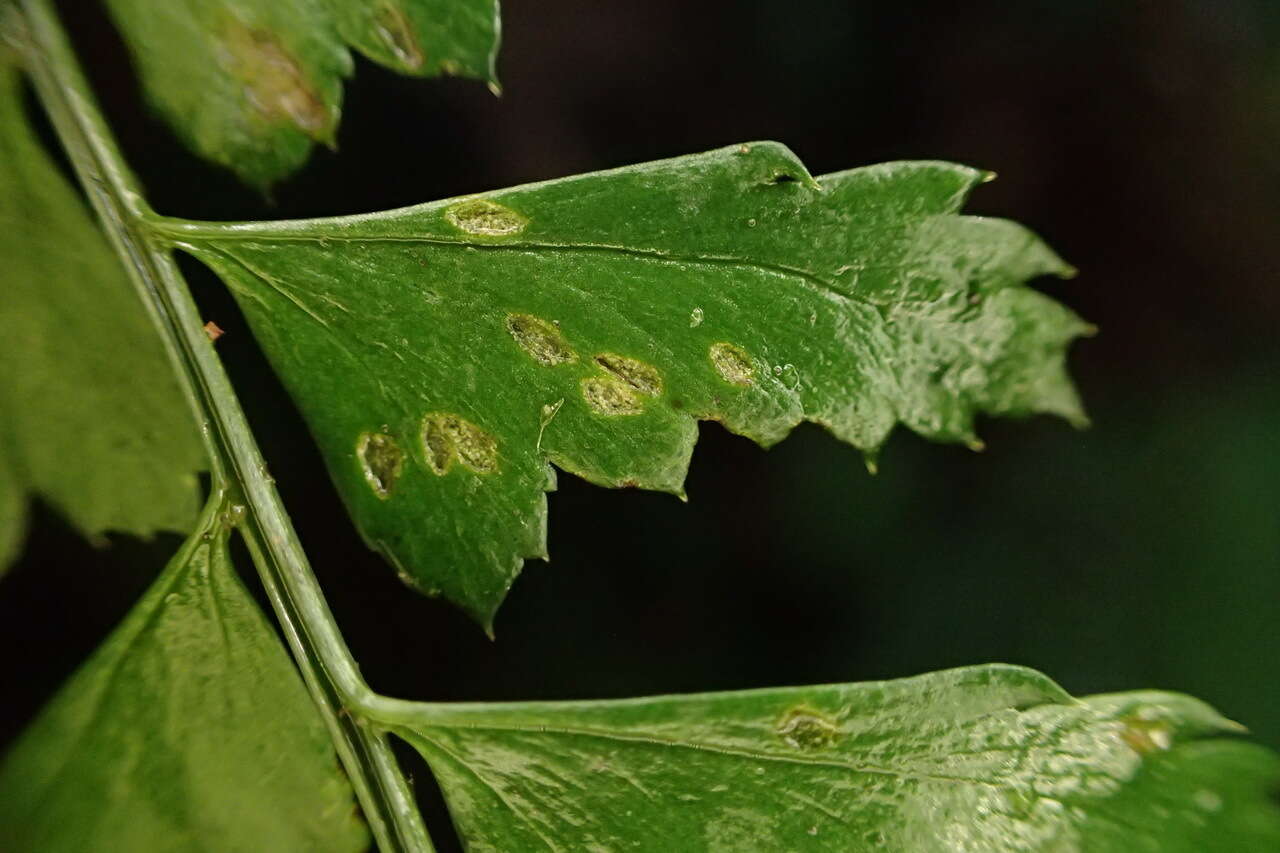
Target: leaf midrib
(734, 752)
(810, 278)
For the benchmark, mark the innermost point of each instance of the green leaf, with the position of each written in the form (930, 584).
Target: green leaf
(13, 512)
(990, 758)
(188, 729)
(443, 354)
(252, 84)
(424, 37)
(91, 418)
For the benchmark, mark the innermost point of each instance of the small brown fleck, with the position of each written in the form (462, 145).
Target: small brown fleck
(213, 330)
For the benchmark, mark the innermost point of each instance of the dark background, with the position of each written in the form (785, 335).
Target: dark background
(1139, 138)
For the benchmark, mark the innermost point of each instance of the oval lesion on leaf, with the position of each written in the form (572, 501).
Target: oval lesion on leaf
(396, 31)
(807, 729)
(1145, 733)
(485, 218)
(606, 394)
(732, 363)
(644, 378)
(541, 340)
(446, 438)
(621, 386)
(381, 461)
(275, 85)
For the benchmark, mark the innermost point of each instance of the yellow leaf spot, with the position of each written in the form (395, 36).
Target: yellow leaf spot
(732, 363)
(396, 31)
(485, 218)
(543, 341)
(446, 437)
(609, 395)
(644, 378)
(275, 85)
(803, 728)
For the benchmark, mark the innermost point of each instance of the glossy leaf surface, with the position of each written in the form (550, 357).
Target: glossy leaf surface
(91, 419)
(991, 758)
(187, 730)
(252, 84)
(443, 354)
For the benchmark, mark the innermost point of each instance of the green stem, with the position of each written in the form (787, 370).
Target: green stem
(236, 464)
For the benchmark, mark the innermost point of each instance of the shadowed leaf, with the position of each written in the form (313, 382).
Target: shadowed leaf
(252, 84)
(91, 419)
(188, 730)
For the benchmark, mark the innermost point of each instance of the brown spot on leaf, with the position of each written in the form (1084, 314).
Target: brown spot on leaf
(1145, 735)
(396, 31)
(644, 378)
(485, 218)
(732, 363)
(609, 395)
(446, 437)
(543, 341)
(804, 728)
(273, 82)
(381, 460)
